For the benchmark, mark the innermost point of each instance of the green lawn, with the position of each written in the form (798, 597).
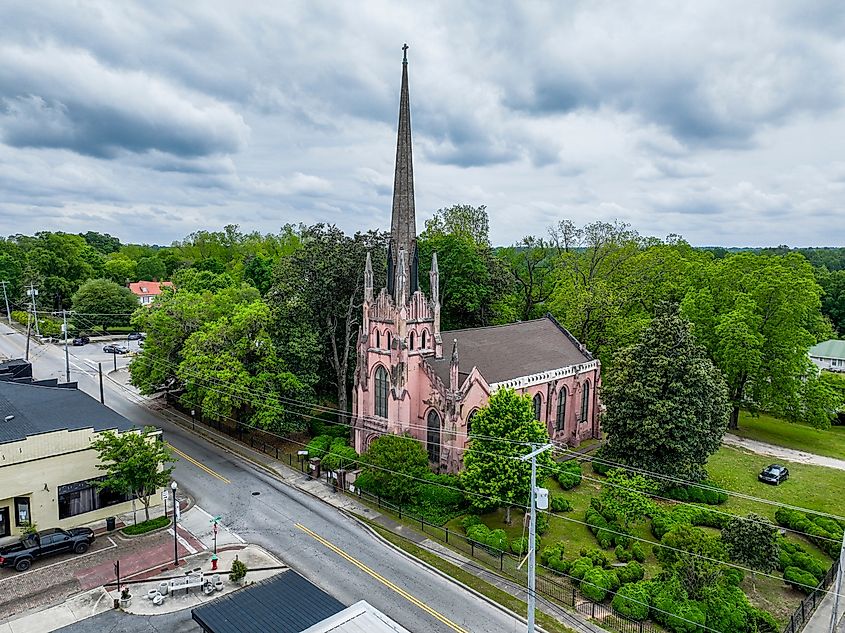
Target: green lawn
(811, 487)
(802, 437)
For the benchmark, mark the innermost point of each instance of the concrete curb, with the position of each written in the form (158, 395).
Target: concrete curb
(366, 526)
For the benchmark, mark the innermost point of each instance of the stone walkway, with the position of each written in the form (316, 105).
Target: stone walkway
(781, 452)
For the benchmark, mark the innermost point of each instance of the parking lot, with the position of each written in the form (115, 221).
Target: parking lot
(85, 358)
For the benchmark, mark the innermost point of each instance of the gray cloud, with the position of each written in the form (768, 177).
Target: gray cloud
(716, 122)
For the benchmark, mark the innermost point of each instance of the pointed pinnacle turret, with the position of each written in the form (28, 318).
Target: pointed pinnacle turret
(434, 280)
(368, 278)
(403, 224)
(454, 351)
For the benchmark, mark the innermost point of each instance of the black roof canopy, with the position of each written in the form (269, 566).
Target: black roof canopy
(286, 603)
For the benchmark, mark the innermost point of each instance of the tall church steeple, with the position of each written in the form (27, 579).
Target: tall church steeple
(403, 224)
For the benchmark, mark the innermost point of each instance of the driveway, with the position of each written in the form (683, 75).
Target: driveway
(780, 452)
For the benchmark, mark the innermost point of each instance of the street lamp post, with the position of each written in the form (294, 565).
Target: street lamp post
(173, 487)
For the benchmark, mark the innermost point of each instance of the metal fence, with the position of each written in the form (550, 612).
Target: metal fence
(804, 611)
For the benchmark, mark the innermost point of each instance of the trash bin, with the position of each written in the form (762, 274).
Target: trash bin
(110, 523)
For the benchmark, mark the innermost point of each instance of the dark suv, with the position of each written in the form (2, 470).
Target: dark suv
(135, 336)
(774, 474)
(115, 349)
(81, 340)
(45, 543)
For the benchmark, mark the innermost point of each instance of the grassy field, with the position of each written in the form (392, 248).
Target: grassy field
(802, 437)
(812, 487)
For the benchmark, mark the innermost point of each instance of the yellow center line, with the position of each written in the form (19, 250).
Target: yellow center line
(442, 618)
(198, 464)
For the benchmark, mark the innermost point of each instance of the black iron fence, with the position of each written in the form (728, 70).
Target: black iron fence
(804, 611)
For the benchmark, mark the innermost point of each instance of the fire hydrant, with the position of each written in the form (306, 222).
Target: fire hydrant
(214, 562)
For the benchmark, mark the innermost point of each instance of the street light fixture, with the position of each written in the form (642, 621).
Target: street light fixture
(173, 487)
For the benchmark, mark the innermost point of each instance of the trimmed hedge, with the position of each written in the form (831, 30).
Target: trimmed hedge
(794, 555)
(568, 474)
(632, 572)
(637, 552)
(146, 526)
(597, 582)
(632, 601)
(623, 555)
(711, 495)
(560, 504)
(662, 521)
(825, 533)
(800, 579)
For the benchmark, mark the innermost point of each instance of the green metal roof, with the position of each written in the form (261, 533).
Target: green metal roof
(829, 349)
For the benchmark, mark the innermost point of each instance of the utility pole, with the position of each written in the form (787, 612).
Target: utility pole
(539, 499)
(6, 297)
(28, 330)
(100, 367)
(836, 614)
(67, 357)
(33, 292)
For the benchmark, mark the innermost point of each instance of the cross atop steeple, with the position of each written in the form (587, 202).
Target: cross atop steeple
(403, 224)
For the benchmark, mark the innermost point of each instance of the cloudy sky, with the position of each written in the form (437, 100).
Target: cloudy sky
(149, 120)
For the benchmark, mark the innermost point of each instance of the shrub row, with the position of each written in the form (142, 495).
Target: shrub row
(800, 579)
(568, 474)
(560, 504)
(662, 521)
(607, 532)
(635, 552)
(824, 532)
(794, 555)
(711, 495)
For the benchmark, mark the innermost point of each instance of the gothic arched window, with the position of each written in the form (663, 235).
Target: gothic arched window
(469, 422)
(433, 436)
(389, 339)
(378, 339)
(538, 406)
(585, 402)
(561, 409)
(381, 392)
(423, 346)
(412, 340)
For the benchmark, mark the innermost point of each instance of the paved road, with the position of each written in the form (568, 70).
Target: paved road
(330, 549)
(781, 452)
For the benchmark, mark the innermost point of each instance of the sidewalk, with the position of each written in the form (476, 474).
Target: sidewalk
(351, 505)
(820, 620)
(98, 600)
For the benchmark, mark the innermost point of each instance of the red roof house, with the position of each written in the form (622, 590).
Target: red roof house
(147, 291)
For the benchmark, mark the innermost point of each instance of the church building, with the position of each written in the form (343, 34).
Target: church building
(405, 385)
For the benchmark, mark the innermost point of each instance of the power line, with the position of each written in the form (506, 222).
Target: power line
(422, 428)
(361, 463)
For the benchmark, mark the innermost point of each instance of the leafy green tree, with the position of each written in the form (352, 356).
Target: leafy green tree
(693, 557)
(833, 301)
(667, 406)
(503, 430)
(150, 269)
(103, 302)
(259, 272)
(757, 316)
(752, 541)
(627, 496)
(57, 263)
(393, 467)
(120, 269)
(193, 280)
(232, 369)
(316, 299)
(460, 220)
(530, 264)
(101, 242)
(134, 463)
(168, 323)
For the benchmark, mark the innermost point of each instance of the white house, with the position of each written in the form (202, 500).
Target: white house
(829, 355)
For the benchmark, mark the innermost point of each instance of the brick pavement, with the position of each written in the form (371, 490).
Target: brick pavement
(50, 581)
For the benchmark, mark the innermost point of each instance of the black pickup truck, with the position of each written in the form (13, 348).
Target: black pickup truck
(45, 543)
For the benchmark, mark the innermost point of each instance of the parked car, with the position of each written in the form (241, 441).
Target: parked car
(135, 336)
(115, 349)
(45, 543)
(774, 474)
(81, 340)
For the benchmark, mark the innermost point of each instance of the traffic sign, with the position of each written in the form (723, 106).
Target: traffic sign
(165, 495)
